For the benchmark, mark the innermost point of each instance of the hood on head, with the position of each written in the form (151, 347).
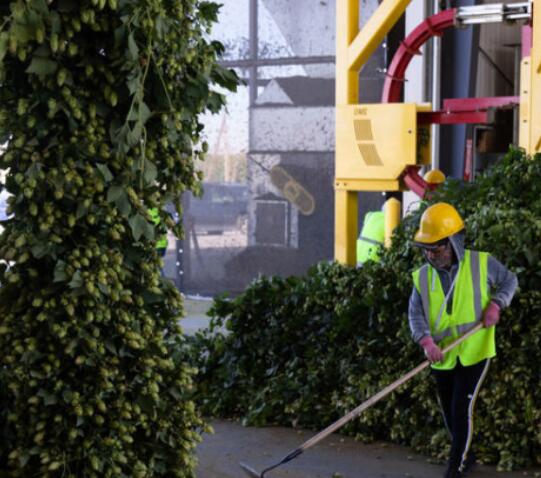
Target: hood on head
(457, 243)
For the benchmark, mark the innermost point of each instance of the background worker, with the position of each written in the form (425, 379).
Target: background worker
(161, 242)
(452, 292)
(434, 177)
(371, 238)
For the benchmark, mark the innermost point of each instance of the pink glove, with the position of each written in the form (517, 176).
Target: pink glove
(432, 351)
(491, 316)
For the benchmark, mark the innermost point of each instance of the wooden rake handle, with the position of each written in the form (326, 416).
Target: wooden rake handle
(382, 393)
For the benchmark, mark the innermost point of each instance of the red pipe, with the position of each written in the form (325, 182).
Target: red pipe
(458, 117)
(432, 26)
(477, 104)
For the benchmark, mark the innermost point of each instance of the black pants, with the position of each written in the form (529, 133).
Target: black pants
(457, 391)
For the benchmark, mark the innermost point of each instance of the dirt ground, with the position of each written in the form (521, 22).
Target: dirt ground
(337, 457)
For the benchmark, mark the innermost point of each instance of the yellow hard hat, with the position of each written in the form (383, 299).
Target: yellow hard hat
(434, 176)
(439, 221)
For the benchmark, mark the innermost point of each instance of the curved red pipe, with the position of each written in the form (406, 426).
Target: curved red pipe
(416, 183)
(392, 88)
(430, 27)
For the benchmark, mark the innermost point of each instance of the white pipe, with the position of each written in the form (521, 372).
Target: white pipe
(436, 94)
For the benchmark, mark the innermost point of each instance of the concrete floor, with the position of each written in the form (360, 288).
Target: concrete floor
(196, 318)
(336, 457)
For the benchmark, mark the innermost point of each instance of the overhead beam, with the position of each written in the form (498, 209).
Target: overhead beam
(374, 32)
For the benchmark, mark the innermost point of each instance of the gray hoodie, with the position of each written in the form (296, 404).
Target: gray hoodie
(502, 285)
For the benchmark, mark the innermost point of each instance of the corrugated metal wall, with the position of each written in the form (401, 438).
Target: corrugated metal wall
(496, 63)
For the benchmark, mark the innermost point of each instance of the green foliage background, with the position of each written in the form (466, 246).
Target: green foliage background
(99, 106)
(303, 351)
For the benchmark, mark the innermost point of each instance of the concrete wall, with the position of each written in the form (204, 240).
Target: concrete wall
(312, 234)
(293, 129)
(307, 25)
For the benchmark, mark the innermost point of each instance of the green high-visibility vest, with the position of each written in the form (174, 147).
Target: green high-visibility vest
(470, 297)
(161, 242)
(371, 237)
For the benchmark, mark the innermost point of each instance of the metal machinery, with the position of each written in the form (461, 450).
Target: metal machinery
(381, 147)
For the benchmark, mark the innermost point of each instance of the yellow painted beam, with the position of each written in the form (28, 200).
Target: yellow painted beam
(535, 96)
(524, 107)
(347, 28)
(392, 213)
(346, 227)
(373, 33)
(347, 87)
(367, 185)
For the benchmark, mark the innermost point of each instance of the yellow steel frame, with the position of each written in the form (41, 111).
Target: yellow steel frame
(392, 218)
(353, 48)
(530, 90)
(524, 110)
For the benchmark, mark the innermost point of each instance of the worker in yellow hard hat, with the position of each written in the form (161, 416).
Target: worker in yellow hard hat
(372, 237)
(434, 177)
(453, 291)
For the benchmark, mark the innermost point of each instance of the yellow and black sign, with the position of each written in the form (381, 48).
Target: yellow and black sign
(292, 190)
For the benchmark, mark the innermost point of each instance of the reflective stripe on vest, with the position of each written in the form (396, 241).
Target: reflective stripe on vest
(371, 241)
(470, 296)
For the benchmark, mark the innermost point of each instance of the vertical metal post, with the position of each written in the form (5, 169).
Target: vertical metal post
(525, 86)
(347, 28)
(253, 51)
(459, 71)
(184, 255)
(346, 226)
(392, 218)
(436, 93)
(346, 204)
(517, 50)
(535, 92)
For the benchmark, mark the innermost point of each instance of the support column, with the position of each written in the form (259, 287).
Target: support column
(460, 49)
(347, 28)
(346, 226)
(525, 102)
(346, 204)
(535, 96)
(393, 211)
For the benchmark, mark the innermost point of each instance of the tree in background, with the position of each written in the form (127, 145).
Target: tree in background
(99, 106)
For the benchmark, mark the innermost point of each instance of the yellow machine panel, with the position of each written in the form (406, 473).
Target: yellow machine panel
(377, 141)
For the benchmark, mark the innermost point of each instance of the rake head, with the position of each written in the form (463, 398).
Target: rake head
(250, 471)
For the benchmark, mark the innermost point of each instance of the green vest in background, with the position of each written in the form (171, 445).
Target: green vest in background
(372, 236)
(470, 298)
(161, 242)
